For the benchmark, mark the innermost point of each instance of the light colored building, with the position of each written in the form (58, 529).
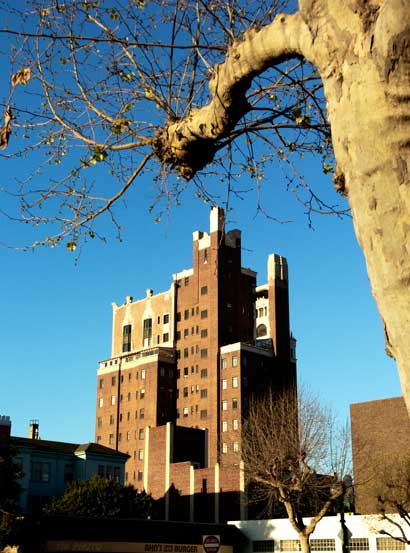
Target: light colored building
(358, 533)
(47, 467)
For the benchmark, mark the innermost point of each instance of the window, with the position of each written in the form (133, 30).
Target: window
(139, 476)
(178, 316)
(185, 412)
(204, 290)
(112, 400)
(224, 448)
(186, 352)
(40, 471)
(204, 314)
(263, 546)
(235, 447)
(129, 396)
(111, 419)
(126, 338)
(141, 434)
(186, 314)
(101, 383)
(165, 337)
(235, 424)
(204, 393)
(203, 414)
(290, 545)
(261, 331)
(99, 422)
(224, 384)
(111, 439)
(143, 374)
(101, 470)
(147, 332)
(113, 380)
(117, 471)
(142, 413)
(142, 393)
(204, 353)
(186, 281)
(186, 332)
(205, 256)
(128, 416)
(322, 544)
(127, 437)
(186, 391)
(224, 426)
(224, 405)
(204, 333)
(101, 402)
(359, 544)
(186, 372)
(234, 361)
(119, 437)
(234, 403)
(192, 311)
(234, 382)
(224, 362)
(204, 373)
(165, 319)
(178, 335)
(158, 319)
(389, 544)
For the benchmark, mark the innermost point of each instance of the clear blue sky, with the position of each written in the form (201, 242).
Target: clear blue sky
(56, 315)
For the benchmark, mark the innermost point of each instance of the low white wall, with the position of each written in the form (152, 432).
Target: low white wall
(358, 526)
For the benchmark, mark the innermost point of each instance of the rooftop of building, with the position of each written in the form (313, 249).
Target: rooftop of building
(64, 447)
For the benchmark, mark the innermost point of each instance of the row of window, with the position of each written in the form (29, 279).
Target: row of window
(262, 311)
(224, 383)
(326, 544)
(225, 448)
(110, 472)
(234, 361)
(224, 425)
(224, 404)
(139, 476)
(191, 313)
(194, 369)
(194, 349)
(142, 376)
(194, 389)
(203, 413)
(204, 332)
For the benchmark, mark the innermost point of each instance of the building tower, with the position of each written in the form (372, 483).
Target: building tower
(184, 363)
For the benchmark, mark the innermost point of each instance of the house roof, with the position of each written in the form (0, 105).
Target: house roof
(65, 447)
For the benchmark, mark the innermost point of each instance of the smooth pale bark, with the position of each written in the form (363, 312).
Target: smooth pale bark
(362, 51)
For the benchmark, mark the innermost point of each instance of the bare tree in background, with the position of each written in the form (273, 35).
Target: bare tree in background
(193, 89)
(294, 454)
(394, 500)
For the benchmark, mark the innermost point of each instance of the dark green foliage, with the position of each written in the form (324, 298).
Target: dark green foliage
(101, 498)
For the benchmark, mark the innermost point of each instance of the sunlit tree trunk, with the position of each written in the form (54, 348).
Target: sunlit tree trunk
(362, 52)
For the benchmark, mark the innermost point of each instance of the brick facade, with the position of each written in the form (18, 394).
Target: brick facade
(380, 442)
(192, 356)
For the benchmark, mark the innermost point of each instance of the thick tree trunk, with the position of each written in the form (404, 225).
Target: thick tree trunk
(368, 94)
(362, 51)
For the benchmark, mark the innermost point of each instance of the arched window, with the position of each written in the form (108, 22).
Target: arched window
(261, 331)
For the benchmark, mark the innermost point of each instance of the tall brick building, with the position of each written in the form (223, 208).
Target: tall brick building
(184, 363)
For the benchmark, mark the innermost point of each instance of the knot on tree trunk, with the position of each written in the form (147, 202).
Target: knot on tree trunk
(177, 147)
